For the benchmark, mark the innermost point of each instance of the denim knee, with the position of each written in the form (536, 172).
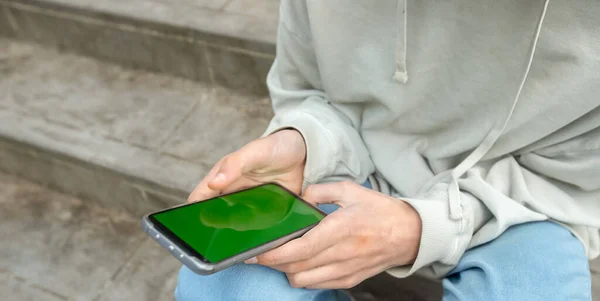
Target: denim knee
(239, 282)
(246, 282)
(532, 261)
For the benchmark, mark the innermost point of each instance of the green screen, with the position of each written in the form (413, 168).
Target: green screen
(228, 225)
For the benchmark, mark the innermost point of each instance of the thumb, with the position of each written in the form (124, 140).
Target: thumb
(342, 194)
(229, 170)
(250, 157)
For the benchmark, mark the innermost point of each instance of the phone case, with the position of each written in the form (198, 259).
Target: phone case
(204, 268)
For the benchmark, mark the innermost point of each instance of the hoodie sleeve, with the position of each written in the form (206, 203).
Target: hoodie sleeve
(560, 183)
(335, 149)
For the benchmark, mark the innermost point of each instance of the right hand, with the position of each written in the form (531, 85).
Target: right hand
(279, 157)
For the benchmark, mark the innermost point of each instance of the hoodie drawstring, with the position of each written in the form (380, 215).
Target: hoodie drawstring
(401, 75)
(492, 136)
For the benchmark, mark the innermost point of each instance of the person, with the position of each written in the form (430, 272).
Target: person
(476, 125)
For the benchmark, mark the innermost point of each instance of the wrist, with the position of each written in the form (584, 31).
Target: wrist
(414, 228)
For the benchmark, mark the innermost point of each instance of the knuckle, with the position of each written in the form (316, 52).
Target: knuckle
(234, 158)
(332, 223)
(341, 224)
(294, 281)
(292, 268)
(309, 191)
(227, 159)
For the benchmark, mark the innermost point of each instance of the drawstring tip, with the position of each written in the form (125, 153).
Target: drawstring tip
(454, 200)
(401, 77)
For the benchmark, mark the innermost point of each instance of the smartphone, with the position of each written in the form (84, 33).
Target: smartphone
(211, 235)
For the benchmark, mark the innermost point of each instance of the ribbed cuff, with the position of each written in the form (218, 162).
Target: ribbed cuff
(321, 154)
(442, 239)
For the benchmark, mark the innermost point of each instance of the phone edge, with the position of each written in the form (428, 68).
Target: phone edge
(204, 268)
(163, 240)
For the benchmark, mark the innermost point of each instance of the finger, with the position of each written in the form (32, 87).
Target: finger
(202, 191)
(295, 250)
(328, 272)
(349, 281)
(340, 252)
(342, 194)
(252, 156)
(327, 233)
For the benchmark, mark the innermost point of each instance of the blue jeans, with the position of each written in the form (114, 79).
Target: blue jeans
(532, 261)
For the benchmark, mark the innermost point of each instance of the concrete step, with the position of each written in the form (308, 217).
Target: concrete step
(65, 248)
(225, 42)
(127, 139)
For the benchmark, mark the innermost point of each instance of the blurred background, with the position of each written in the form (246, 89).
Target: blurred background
(113, 109)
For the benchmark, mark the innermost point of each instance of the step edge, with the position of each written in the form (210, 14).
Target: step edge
(182, 31)
(83, 150)
(184, 53)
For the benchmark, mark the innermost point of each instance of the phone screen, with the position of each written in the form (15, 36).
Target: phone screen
(225, 226)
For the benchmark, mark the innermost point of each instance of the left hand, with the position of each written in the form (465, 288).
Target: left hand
(370, 233)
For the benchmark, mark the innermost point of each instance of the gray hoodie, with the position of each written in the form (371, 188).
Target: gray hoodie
(480, 114)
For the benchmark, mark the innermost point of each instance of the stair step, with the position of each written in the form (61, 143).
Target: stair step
(126, 138)
(226, 42)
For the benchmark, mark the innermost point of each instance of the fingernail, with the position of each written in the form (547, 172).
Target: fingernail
(219, 178)
(251, 260)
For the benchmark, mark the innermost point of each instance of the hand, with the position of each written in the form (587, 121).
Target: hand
(370, 233)
(279, 157)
